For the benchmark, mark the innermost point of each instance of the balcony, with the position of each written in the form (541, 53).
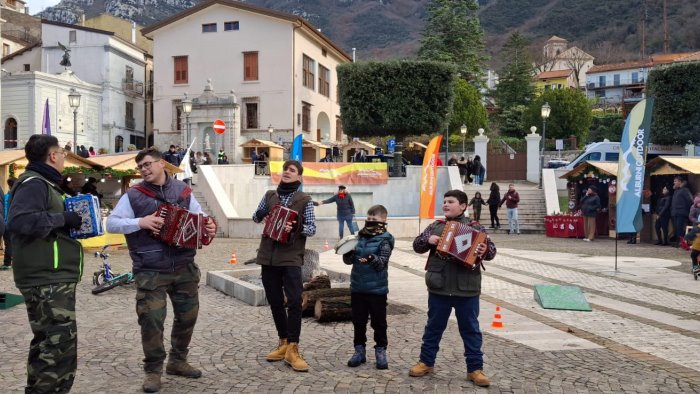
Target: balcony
(132, 87)
(630, 96)
(613, 84)
(130, 122)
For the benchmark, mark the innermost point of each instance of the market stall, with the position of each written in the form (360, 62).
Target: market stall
(13, 162)
(313, 150)
(273, 151)
(350, 149)
(414, 152)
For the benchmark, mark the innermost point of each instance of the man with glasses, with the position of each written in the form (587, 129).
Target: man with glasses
(160, 269)
(47, 266)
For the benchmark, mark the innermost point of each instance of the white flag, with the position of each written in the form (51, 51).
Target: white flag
(185, 164)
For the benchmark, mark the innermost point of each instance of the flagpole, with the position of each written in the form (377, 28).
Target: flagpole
(616, 236)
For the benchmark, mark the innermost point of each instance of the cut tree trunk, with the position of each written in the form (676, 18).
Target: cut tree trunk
(309, 298)
(318, 282)
(333, 309)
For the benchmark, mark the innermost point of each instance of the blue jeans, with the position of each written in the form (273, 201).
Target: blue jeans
(467, 313)
(513, 225)
(341, 225)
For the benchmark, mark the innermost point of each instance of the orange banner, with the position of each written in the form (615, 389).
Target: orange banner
(428, 179)
(337, 173)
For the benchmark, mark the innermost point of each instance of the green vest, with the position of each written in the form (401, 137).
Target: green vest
(448, 277)
(43, 261)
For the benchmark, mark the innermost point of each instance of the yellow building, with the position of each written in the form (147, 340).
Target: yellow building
(550, 80)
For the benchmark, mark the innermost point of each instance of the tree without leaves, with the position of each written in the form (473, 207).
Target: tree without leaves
(576, 60)
(453, 34)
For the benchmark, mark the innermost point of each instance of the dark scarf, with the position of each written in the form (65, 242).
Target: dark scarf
(288, 188)
(372, 229)
(48, 172)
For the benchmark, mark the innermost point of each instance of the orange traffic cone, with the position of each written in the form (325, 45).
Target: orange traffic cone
(497, 323)
(233, 259)
(326, 246)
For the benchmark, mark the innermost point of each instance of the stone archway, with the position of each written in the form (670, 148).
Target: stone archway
(323, 127)
(10, 133)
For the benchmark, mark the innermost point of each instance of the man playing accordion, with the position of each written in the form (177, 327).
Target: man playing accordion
(160, 268)
(453, 284)
(281, 258)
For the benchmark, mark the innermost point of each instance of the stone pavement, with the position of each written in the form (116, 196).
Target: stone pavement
(642, 335)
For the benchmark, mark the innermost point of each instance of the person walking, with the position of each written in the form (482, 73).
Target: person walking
(476, 203)
(160, 269)
(663, 212)
(462, 164)
(47, 265)
(681, 202)
(511, 199)
(493, 202)
(590, 206)
(345, 209)
(452, 285)
(281, 263)
(479, 170)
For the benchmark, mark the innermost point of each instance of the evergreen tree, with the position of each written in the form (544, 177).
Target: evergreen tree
(570, 115)
(467, 109)
(453, 34)
(515, 78)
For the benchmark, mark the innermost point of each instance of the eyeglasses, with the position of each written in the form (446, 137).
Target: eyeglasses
(61, 151)
(146, 165)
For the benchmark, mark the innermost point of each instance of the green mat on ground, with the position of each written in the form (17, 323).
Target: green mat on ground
(569, 298)
(8, 300)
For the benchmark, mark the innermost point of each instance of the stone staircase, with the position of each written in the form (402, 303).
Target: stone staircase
(531, 209)
(205, 206)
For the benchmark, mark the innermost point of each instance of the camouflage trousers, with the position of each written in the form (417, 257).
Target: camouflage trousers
(53, 352)
(182, 286)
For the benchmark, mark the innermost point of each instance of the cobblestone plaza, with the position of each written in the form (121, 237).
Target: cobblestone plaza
(643, 334)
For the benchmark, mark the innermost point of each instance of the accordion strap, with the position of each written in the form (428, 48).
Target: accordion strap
(150, 193)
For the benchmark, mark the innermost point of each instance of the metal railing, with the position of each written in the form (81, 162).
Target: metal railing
(129, 122)
(613, 83)
(132, 86)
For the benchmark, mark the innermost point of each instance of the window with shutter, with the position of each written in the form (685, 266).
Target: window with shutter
(180, 69)
(250, 66)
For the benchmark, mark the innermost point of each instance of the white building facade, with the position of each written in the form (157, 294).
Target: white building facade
(276, 69)
(618, 83)
(98, 58)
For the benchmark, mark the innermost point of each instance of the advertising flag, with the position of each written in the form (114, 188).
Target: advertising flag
(46, 124)
(296, 148)
(630, 171)
(428, 183)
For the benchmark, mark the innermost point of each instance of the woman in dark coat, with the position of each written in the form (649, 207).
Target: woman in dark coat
(493, 201)
(663, 210)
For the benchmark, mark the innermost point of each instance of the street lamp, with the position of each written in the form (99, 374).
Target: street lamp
(187, 109)
(270, 130)
(463, 130)
(546, 109)
(74, 102)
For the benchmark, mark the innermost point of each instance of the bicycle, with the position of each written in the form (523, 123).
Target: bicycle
(105, 279)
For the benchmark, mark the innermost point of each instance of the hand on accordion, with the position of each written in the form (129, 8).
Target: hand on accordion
(211, 228)
(289, 226)
(152, 223)
(481, 249)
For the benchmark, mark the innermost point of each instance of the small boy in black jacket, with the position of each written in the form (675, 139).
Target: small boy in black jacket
(369, 285)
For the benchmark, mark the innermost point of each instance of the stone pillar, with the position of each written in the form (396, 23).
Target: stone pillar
(480, 143)
(533, 156)
(690, 150)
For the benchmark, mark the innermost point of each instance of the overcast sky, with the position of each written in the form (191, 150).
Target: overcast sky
(39, 5)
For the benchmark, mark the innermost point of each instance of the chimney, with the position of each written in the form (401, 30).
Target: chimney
(133, 32)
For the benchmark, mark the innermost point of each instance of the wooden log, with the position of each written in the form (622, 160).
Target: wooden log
(318, 282)
(333, 309)
(309, 298)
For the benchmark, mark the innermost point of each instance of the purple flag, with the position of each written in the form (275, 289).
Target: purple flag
(46, 124)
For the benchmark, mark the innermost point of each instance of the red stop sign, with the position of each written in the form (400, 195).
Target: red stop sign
(219, 126)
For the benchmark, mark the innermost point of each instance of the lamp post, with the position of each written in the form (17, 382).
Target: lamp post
(463, 130)
(187, 109)
(447, 144)
(270, 130)
(546, 109)
(74, 102)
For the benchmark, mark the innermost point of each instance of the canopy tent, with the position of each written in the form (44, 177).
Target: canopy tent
(673, 165)
(350, 149)
(313, 150)
(416, 145)
(274, 152)
(17, 158)
(125, 163)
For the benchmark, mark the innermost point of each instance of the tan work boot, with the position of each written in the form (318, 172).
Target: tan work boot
(420, 369)
(182, 368)
(279, 352)
(151, 384)
(479, 378)
(294, 359)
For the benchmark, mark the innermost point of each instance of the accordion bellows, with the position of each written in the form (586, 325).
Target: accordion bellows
(88, 207)
(459, 241)
(277, 219)
(183, 228)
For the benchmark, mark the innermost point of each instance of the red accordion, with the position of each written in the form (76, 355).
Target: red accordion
(459, 241)
(277, 219)
(183, 228)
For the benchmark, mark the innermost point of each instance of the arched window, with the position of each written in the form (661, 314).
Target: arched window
(118, 144)
(10, 133)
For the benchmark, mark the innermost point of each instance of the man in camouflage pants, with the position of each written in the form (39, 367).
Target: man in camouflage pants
(160, 270)
(47, 266)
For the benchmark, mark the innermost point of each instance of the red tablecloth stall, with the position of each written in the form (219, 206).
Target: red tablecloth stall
(564, 226)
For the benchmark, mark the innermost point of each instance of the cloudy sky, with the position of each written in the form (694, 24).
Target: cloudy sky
(39, 5)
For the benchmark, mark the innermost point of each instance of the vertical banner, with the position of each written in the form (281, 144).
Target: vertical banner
(630, 172)
(428, 182)
(46, 124)
(296, 148)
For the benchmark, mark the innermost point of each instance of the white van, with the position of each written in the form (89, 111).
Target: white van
(610, 152)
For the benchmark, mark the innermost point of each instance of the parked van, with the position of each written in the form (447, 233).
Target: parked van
(610, 152)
